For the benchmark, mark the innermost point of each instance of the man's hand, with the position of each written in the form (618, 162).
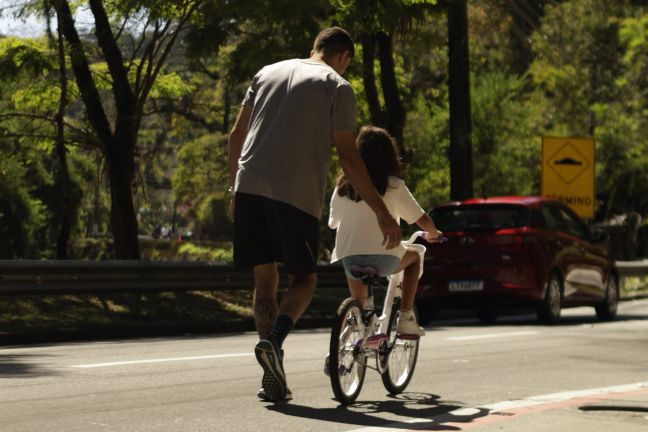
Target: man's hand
(231, 207)
(391, 230)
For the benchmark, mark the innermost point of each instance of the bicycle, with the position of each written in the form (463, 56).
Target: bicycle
(358, 334)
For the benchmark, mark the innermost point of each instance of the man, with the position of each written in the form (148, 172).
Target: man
(280, 151)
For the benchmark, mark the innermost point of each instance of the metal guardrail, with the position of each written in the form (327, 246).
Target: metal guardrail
(633, 278)
(26, 277)
(632, 268)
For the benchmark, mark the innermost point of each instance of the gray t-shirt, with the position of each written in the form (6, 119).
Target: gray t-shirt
(296, 106)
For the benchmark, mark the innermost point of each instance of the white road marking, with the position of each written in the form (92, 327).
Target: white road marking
(161, 360)
(497, 407)
(491, 335)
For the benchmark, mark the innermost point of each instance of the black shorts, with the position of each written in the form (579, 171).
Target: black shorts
(267, 231)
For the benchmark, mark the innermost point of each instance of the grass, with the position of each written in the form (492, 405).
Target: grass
(28, 317)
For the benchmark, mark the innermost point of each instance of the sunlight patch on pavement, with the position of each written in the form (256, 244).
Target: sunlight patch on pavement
(505, 410)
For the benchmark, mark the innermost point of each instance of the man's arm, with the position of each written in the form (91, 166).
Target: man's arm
(235, 143)
(236, 140)
(356, 171)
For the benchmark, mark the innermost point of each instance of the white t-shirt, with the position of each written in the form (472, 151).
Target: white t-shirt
(357, 227)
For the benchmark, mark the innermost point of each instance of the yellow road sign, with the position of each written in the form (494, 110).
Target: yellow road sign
(568, 172)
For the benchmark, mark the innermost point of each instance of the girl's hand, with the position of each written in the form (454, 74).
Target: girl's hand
(435, 236)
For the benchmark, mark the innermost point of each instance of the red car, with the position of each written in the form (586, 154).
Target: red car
(523, 250)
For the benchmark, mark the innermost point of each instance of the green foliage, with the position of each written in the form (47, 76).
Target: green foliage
(587, 76)
(22, 215)
(193, 252)
(26, 57)
(426, 132)
(591, 80)
(503, 141)
(200, 182)
(369, 16)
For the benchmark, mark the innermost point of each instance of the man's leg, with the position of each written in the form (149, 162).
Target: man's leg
(264, 301)
(299, 295)
(293, 304)
(267, 350)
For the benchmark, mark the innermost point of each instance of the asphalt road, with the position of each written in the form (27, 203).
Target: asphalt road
(516, 375)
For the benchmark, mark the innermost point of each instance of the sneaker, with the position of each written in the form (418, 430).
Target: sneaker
(274, 378)
(262, 395)
(407, 325)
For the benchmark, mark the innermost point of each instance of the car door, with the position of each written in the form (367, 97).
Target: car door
(564, 251)
(589, 276)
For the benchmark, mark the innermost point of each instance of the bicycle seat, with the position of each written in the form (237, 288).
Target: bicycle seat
(363, 272)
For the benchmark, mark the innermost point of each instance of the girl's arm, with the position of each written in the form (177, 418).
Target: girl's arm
(427, 224)
(334, 217)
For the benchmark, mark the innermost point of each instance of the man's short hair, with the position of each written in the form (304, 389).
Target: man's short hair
(332, 41)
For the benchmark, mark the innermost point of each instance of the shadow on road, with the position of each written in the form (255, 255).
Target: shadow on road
(21, 366)
(622, 408)
(430, 412)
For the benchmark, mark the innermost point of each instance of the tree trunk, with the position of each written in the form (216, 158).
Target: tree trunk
(461, 169)
(119, 146)
(394, 107)
(369, 80)
(123, 219)
(65, 210)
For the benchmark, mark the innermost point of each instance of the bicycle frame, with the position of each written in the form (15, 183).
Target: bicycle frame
(373, 339)
(359, 336)
(394, 287)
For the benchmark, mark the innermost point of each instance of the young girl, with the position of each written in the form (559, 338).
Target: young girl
(359, 239)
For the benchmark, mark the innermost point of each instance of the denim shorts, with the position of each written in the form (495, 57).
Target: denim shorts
(385, 265)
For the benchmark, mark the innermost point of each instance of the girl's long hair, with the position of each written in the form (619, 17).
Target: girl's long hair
(380, 154)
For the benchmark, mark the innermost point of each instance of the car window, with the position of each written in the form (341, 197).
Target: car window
(560, 219)
(572, 225)
(480, 217)
(551, 217)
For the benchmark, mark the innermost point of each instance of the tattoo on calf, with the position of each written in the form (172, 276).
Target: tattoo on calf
(265, 313)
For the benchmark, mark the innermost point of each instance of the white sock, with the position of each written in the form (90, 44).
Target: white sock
(407, 314)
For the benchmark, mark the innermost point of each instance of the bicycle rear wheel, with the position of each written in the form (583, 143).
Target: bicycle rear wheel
(402, 357)
(347, 360)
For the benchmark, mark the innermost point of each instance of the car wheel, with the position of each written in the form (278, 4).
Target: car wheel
(488, 314)
(548, 310)
(608, 309)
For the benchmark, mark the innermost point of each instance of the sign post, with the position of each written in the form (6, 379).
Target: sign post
(568, 173)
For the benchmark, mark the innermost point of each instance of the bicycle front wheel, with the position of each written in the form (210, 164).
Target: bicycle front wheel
(402, 357)
(347, 360)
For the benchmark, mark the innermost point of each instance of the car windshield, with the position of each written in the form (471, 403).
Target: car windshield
(480, 217)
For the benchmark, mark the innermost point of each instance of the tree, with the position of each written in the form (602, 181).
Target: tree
(27, 104)
(63, 182)
(377, 25)
(132, 81)
(461, 169)
(588, 88)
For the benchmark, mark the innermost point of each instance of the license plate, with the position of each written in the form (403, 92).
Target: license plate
(466, 285)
